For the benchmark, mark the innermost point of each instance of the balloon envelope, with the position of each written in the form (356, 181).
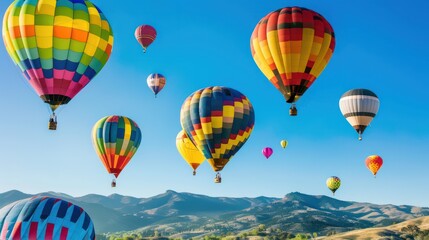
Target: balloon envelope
(116, 140)
(267, 152)
(292, 46)
(359, 107)
(218, 120)
(374, 163)
(45, 218)
(189, 152)
(58, 45)
(145, 35)
(283, 143)
(156, 82)
(333, 183)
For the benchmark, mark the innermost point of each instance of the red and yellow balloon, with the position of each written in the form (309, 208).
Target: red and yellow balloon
(374, 163)
(292, 46)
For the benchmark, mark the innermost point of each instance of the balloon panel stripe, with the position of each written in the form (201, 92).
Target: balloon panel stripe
(355, 114)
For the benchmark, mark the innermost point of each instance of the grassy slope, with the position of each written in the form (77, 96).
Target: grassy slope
(378, 233)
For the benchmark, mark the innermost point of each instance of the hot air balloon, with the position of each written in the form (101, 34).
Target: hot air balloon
(218, 120)
(45, 218)
(116, 140)
(58, 45)
(283, 143)
(156, 82)
(374, 163)
(292, 46)
(189, 152)
(333, 183)
(359, 107)
(267, 152)
(145, 35)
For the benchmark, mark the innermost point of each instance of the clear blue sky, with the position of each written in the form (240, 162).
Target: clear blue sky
(380, 46)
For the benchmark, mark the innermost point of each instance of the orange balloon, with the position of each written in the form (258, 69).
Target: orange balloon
(374, 163)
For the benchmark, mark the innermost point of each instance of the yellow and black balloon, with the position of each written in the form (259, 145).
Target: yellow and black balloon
(218, 120)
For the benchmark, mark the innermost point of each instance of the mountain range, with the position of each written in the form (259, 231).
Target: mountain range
(187, 214)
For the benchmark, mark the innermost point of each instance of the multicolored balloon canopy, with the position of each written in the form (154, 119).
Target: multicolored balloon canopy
(145, 35)
(58, 45)
(267, 152)
(292, 46)
(116, 140)
(45, 218)
(189, 152)
(333, 183)
(156, 82)
(218, 120)
(374, 163)
(359, 107)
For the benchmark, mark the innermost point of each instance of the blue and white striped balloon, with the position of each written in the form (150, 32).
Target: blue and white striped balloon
(45, 218)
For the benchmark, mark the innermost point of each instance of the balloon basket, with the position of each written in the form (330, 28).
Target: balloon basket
(218, 178)
(293, 111)
(52, 126)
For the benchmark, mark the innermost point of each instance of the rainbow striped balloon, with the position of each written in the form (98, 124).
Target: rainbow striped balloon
(59, 45)
(116, 140)
(45, 218)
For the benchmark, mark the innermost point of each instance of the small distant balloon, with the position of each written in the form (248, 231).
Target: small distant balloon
(156, 82)
(333, 183)
(145, 35)
(267, 152)
(283, 143)
(374, 163)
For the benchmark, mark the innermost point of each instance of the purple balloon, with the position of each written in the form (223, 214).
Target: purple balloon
(267, 152)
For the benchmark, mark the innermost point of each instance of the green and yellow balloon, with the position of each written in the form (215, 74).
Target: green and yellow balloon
(333, 183)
